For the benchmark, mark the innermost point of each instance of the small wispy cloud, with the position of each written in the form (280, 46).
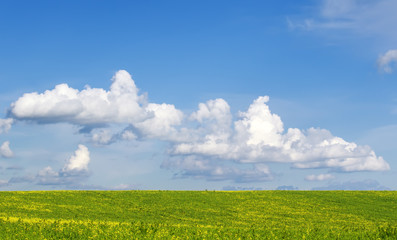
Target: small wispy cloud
(5, 150)
(320, 177)
(368, 184)
(124, 186)
(364, 18)
(106, 136)
(4, 183)
(287, 187)
(385, 61)
(5, 125)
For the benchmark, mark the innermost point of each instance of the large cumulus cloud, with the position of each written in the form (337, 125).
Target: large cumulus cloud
(209, 143)
(96, 107)
(258, 137)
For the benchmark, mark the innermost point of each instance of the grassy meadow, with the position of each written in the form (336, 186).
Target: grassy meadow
(198, 215)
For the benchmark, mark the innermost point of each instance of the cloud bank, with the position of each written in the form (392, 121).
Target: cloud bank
(210, 143)
(258, 137)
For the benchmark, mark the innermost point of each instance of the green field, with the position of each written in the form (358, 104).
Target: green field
(198, 215)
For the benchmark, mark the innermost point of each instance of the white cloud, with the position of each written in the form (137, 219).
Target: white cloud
(259, 137)
(124, 186)
(79, 161)
(352, 19)
(208, 144)
(367, 184)
(105, 136)
(5, 125)
(215, 111)
(96, 107)
(128, 135)
(258, 126)
(337, 8)
(212, 135)
(373, 18)
(385, 60)
(320, 177)
(102, 136)
(350, 164)
(48, 176)
(5, 150)
(72, 172)
(89, 106)
(161, 121)
(238, 188)
(287, 188)
(216, 170)
(4, 183)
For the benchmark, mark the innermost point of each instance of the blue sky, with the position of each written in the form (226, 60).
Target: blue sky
(198, 95)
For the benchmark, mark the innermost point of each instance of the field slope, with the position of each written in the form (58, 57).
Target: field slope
(198, 215)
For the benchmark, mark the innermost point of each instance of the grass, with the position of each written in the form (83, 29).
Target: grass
(198, 215)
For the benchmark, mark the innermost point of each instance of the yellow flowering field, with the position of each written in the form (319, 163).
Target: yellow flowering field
(198, 215)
